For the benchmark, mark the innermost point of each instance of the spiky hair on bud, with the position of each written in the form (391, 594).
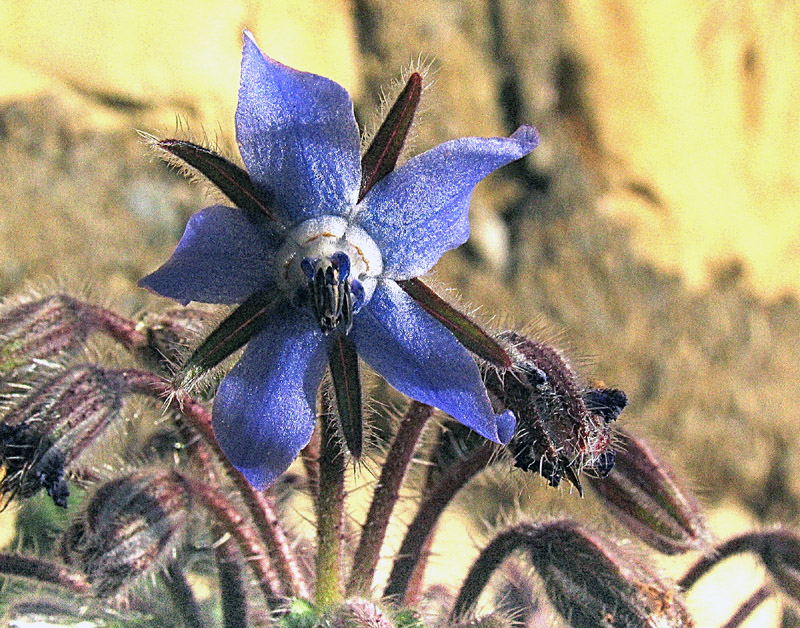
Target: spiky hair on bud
(588, 579)
(173, 334)
(646, 496)
(49, 422)
(127, 529)
(45, 328)
(563, 426)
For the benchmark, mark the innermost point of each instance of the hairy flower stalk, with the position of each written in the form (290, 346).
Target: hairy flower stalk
(44, 572)
(428, 514)
(587, 581)
(759, 596)
(182, 595)
(314, 266)
(329, 512)
(644, 494)
(228, 516)
(259, 506)
(778, 549)
(563, 428)
(387, 490)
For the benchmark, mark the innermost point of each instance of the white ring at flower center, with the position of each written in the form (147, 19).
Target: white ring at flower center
(322, 237)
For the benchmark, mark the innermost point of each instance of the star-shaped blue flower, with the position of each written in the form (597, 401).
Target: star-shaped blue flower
(332, 264)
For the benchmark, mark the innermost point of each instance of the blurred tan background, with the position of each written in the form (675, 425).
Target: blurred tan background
(656, 230)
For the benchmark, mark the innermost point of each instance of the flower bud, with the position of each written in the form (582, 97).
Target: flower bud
(42, 329)
(128, 527)
(48, 427)
(562, 427)
(586, 578)
(590, 583)
(644, 495)
(358, 613)
(780, 552)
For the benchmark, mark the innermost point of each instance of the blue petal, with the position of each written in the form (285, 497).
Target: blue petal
(298, 138)
(264, 411)
(420, 211)
(223, 257)
(423, 360)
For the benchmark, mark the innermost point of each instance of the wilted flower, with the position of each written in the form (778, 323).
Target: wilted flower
(318, 265)
(563, 427)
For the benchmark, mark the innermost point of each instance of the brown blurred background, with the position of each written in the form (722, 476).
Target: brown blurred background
(655, 230)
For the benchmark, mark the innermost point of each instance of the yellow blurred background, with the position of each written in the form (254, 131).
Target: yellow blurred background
(683, 117)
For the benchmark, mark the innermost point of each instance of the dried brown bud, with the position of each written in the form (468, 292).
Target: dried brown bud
(51, 425)
(644, 494)
(562, 427)
(586, 578)
(128, 527)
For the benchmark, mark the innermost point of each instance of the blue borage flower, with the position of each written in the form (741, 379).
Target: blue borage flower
(332, 264)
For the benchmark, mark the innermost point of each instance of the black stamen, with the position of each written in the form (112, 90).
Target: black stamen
(331, 297)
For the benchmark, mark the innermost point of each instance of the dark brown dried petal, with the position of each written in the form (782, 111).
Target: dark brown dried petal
(562, 428)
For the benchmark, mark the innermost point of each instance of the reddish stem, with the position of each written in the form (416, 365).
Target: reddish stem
(260, 507)
(251, 546)
(385, 497)
(43, 571)
(747, 607)
(427, 516)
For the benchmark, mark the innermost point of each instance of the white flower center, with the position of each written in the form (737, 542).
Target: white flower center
(321, 237)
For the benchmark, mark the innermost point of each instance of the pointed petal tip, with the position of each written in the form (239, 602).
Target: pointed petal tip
(527, 136)
(506, 425)
(260, 478)
(151, 284)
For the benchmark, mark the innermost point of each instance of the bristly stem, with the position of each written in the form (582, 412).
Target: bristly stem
(233, 596)
(415, 584)
(228, 517)
(182, 596)
(748, 606)
(490, 558)
(310, 457)
(43, 571)
(385, 497)
(428, 515)
(329, 510)
(258, 505)
(748, 542)
(121, 329)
